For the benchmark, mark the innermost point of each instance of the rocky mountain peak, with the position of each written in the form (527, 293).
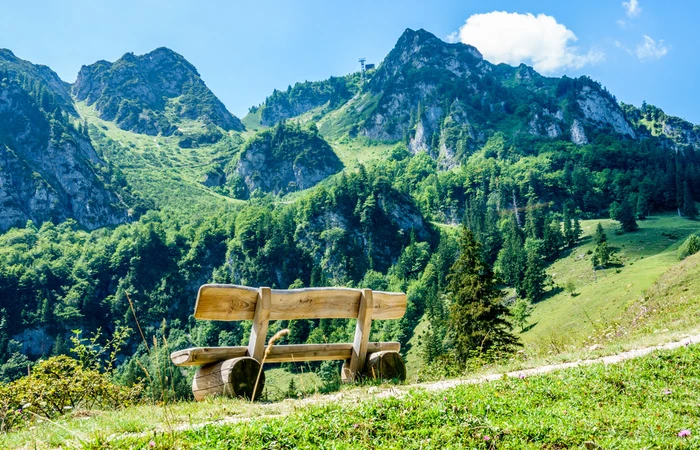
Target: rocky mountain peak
(151, 93)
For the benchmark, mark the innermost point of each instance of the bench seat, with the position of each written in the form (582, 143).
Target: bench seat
(200, 356)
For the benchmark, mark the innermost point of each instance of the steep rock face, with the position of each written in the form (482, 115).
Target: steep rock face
(48, 169)
(285, 159)
(653, 121)
(150, 93)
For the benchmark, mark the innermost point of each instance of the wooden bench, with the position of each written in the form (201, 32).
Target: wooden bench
(233, 371)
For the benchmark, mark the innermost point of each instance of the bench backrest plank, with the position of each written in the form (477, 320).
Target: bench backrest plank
(233, 302)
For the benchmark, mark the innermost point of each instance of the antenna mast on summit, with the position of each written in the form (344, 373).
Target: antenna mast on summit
(362, 69)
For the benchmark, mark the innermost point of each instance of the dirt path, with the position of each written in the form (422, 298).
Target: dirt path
(355, 395)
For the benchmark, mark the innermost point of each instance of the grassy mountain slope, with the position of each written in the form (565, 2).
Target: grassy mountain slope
(158, 168)
(602, 298)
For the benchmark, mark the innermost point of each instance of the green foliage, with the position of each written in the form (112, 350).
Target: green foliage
(57, 386)
(688, 209)
(535, 277)
(624, 213)
(521, 310)
(689, 247)
(478, 322)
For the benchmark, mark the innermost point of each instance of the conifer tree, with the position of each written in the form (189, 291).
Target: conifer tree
(602, 252)
(478, 322)
(689, 209)
(535, 275)
(624, 213)
(512, 258)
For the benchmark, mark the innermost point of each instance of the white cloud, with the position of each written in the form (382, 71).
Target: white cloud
(632, 8)
(622, 24)
(524, 38)
(646, 50)
(650, 49)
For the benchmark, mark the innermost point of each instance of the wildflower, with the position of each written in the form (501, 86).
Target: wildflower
(521, 376)
(487, 438)
(684, 433)
(26, 405)
(152, 444)
(667, 392)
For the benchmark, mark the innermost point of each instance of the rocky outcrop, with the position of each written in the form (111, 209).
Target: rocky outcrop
(600, 110)
(286, 158)
(136, 92)
(48, 168)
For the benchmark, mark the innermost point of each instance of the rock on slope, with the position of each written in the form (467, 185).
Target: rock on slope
(286, 158)
(48, 168)
(151, 93)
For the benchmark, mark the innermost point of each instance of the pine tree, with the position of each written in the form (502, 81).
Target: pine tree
(478, 322)
(689, 209)
(568, 230)
(535, 275)
(624, 213)
(534, 222)
(521, 311)
(599, 235)
(512, 258)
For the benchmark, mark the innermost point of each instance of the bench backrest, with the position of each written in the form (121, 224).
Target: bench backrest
(234, 302)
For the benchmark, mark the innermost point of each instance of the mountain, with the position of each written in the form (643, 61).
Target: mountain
(151, 94)
(48, 167)
(285, 159)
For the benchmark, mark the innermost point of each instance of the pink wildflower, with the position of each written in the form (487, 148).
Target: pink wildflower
(521, 376)
(487, 438)
(152, 444)
(667, 392)
(684, 433)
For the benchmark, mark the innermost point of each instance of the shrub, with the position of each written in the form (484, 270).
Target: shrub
(57, 386)
(689, 247)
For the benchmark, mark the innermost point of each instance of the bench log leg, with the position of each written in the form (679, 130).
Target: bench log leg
(385, 365)
(382, 365)
(232, 378)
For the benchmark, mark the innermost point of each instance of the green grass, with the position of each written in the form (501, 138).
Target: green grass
(564, 323)
(159, 170)
(608, 406)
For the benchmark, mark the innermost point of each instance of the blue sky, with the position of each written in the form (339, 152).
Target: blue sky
(640, 50)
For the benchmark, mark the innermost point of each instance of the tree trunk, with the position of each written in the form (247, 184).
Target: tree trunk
(232, 378)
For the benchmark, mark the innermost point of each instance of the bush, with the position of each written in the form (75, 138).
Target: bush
(57, 386)
(689, 247)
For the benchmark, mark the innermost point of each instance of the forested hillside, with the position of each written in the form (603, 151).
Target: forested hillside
(433, 138)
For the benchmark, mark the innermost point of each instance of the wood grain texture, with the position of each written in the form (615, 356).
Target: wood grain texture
(362, 330)
(385, 365)
(261, 319)
(200, 356)
(232, 378)
(233, 302)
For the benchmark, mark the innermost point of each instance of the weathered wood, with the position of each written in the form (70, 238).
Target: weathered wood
(279, 353)
(258, 333)
(232, 302)
(232, 378)
(362, 330)
(385, 365)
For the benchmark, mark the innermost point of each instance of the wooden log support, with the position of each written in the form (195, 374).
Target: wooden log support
(362, 330)
(385, 365)
(256, 345)
(232, 378)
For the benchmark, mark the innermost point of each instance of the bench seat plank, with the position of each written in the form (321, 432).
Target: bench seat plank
(200, 356)
(233, 302)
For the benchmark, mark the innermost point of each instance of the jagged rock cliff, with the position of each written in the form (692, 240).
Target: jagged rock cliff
(150, 93)
(48, 168)
(285, 159)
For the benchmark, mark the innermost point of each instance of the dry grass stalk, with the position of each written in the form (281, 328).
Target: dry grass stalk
(280, 334)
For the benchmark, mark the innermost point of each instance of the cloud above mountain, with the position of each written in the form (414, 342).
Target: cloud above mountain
(514, 38)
